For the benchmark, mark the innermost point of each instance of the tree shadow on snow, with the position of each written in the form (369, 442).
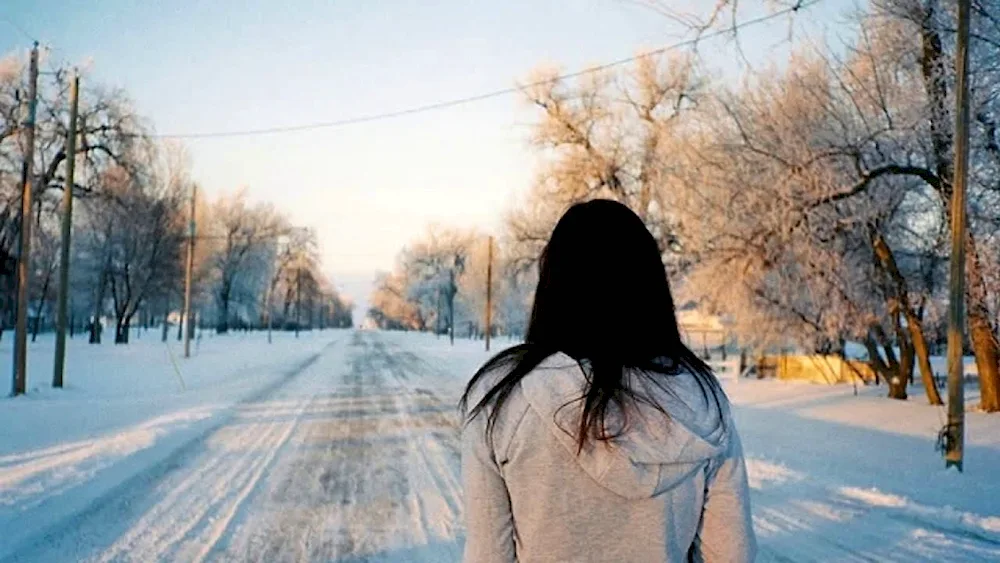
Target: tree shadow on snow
(831, 491)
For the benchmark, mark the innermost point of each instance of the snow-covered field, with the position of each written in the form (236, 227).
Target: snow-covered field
(342, 446)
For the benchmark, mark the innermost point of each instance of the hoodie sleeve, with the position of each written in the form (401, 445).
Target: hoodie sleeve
(489, 522)
(726, 533)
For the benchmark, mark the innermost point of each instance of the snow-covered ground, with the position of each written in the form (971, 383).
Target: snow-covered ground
(342, 446)
(843, 477)
(123, 410)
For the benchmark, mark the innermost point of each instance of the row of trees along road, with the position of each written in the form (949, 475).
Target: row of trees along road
(440, 284)
(810, 204)
(252, 265)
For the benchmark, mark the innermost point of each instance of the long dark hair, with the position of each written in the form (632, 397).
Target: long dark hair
(604, 300)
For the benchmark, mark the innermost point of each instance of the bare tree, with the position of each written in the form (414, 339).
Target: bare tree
(391, 308)
(240, 233)
(137, 232)
(425, 288)
(605, 136)
(111, 136)
(45, 262)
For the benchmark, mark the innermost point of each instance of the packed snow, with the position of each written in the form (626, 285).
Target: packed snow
(342, 446)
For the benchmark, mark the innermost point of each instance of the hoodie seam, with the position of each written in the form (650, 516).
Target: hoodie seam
(616, 455)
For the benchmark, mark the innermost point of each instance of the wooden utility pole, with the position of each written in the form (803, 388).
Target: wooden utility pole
(451, 305)
(24, 255)
(954, 445)
(267, 308)
(298, 299)
(440, 315)
(489, 294)
(67, 233)
(189, 274)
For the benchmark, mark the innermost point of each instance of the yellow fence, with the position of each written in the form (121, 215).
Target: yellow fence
(815, 368)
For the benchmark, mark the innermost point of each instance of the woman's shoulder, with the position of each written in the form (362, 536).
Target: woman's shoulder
(497, 369)
(554, 375)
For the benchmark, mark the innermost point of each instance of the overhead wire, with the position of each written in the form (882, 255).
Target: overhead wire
(46, 47)
(18, 27)
(728, 30)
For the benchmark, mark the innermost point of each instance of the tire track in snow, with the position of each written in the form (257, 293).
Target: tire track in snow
(356, 462)
(186, 505)
(97, 533)
(429, 452)
(371, 475)
(211, 498)
(219, 527)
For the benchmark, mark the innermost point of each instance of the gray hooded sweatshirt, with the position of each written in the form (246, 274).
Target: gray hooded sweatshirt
(664, 491)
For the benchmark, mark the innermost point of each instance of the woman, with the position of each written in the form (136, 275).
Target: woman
(602, 437)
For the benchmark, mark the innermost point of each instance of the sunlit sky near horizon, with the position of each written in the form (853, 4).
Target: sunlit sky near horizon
(218, 65)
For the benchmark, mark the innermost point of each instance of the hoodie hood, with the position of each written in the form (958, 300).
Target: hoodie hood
(655, 453)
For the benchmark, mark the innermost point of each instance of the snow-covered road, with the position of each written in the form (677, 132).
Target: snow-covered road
(350, 454)
(352, 457)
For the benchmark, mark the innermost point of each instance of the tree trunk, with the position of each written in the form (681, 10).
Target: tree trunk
(440, 316)
(95, 326)
(984, 342)
(981, 332)
(985, 346)
(287, 306)
(451, 318)
(906, 358)
(37, 325)
(919, 340)
(223, 325)
(906, 354)
(914, 324)
(890, 369)
(897, 387)
(122, 330)
(166, 325)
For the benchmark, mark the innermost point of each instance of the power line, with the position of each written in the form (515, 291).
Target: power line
(492, 94)
(47, 47)
(20, 29)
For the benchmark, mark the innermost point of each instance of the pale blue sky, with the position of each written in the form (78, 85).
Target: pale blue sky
(210, 65)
